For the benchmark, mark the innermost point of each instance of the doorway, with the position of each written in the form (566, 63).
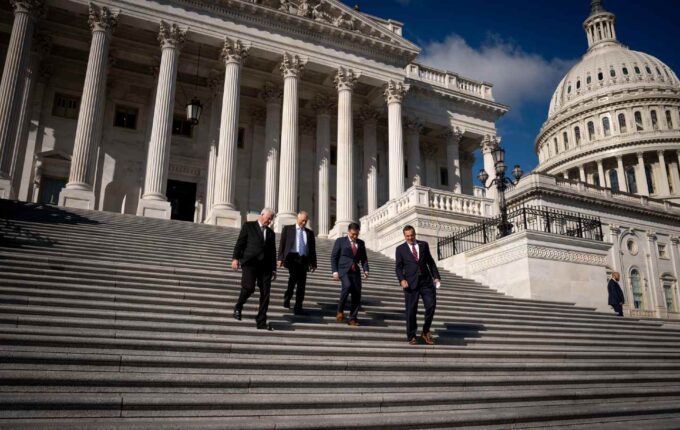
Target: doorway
(50, 188)
(182, 198)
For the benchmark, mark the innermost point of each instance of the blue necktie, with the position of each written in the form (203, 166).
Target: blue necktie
(300, 242)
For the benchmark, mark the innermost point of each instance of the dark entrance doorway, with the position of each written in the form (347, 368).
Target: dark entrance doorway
(50, 188)
(182, 198)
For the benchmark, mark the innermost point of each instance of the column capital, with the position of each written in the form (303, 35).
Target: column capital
(660, 153)
(323, 104)
(394, 92)
(31, 7)
(640, 155)
(414, 125)
(454, 133)
(368, 114)
(101, 18)
(233, 51)
(171, 35)
(271, 93)
(651, 236)
(615, 229)
(345, 79)
(291, 65)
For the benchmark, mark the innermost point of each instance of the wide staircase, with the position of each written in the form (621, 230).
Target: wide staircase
(116, 321)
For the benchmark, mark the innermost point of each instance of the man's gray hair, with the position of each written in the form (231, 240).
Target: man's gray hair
(303, 213)
(267, 211)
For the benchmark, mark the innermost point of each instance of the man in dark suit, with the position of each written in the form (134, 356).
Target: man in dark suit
(616, 299)
(417, 274)
(255, 253)
(348, 260)
(297, 252)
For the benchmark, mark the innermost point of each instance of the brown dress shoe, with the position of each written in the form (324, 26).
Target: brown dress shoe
(353, 323)
(413, 341)
(427, 338)
(340, 317)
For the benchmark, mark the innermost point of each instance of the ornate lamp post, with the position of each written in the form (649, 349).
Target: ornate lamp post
(501, 182)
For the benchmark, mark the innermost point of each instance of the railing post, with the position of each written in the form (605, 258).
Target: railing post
(580, 227)
(599, 227)
(547, 221)
(524, 215)
(484, 232)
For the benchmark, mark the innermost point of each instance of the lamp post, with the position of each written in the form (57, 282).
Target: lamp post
(501, 182)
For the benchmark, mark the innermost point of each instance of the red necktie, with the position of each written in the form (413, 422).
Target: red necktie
(354, 252)
(414, 252)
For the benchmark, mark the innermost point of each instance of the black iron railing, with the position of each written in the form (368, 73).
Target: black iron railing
(525, 218)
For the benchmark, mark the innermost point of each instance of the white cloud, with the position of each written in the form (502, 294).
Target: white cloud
(518, 77)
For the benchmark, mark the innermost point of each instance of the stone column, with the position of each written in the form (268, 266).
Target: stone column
(345, 80)
(394, 94)
(600, 174)
(153, 202)
(78, 192)
(582, 173)
(453, 138)
(370, 116)
(413, 127)
(323, 105)
(216, 86)
(664, 187)
(621, 174)
(489, 144)
(271, 94)
(291, 67)
(12, 84)
(643, 190)
(675, 175)
(224, 210)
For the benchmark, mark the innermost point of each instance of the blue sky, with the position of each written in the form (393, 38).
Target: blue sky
(524, 47)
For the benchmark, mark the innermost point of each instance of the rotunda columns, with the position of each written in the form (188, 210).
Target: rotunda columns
(641, 176)
(582, 173)
(323, 105)
(394, 95)
(272, 96)
(621, 174)
(600, 174)
(664, 188)
(370, 117)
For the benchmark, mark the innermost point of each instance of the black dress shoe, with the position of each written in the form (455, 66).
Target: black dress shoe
(267, 327)
(237, 315)
(286, 303)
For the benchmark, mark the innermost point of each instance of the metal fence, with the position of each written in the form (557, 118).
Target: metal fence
(547, 220)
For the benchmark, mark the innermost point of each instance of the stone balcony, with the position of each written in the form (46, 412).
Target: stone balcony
(449, 80)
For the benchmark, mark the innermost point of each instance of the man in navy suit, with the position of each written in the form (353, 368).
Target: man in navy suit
(297, 252)
(616, 299)
(255, 253)
(348, 260)
(417, 274)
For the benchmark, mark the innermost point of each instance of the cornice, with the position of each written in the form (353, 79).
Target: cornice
(496, 108)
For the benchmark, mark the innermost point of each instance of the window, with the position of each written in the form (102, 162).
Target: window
(555, 151)
(662, 250)
(600, 76)
(614, 180)
(605, 126)
(444, 176)
(588, 80)
(612, 73)
(668, 294)
(565, 138)
(181, 127)
(578, 84)
(334, 155)
(649, 71)
(126, 117)
(596, 179)
(635, 284)
(669, 120)
(655, 120)
(240, 143)
(622, 123)
(591, 130)
(631, 181)
(66, 106)
(649, 176)
(569, 89)
(638, 121)
(637, 70)
(577, 135)
(625, 71)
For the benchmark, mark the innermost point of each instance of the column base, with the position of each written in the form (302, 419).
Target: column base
(79, 199)
(154, 209)
(284, 219)
(224, 218)
(339, 229)
(5, 189)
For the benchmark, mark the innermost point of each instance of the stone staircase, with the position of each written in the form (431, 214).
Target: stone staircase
(115, 321)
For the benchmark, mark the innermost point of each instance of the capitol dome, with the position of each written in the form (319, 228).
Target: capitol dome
(614, 119)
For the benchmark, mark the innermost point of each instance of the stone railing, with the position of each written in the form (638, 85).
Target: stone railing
(446, 203)
(449, 80)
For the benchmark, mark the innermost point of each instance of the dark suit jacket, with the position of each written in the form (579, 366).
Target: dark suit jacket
(413, 271)
(251, 249)
(287, 242)
(342, 258)
(615, 293)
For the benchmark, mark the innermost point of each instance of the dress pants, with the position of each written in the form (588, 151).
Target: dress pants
(262, 275)
(618, 309)
(351, 284)
(297, 268)
(426, 290)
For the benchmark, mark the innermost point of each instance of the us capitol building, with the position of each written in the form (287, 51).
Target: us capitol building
(207, 111)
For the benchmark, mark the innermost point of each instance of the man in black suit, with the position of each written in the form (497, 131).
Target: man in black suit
(348, 260)
(418, 275)
(297, 252)
(616, 299)
(255, 253)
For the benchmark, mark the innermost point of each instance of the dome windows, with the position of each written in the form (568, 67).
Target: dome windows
(669, 120)
(569, 89)
(614, 180)
(648, 70)
(637, 70)
(588, 80)
(578, 84)
(606, 127)
(638, 121)
(600, 76)
(577, 135)
(655, 120)
(612, 73)
(565, 139)
(625, 70)
(622, 123)
(591, 130)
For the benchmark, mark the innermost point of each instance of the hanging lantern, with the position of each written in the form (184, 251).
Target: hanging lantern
(194, 111)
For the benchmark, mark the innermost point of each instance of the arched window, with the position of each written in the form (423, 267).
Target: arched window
(668, 293)
(578, 84)
(650, 178)
(622, 123)
(577, 135)
(638, 121)
(588, 80)
(669, 120)
(649, 71)
(605, 126)
(565, 139)
(636, 286)
(637, 70)
(569, 89)
(614, 180)
(600, 76)
(625, 71)
(591, 130)
(555, 146)
(631, 181)
(612, 73)
(655, 120)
